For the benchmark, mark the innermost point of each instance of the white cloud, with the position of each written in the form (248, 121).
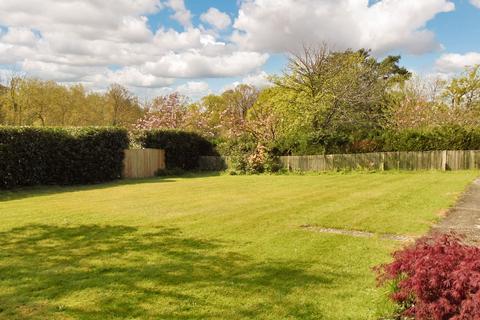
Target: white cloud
(194, 89)
(283, 25)
(455, 62)
(99, 42)
(135, 29)
(182, 14)
(173, 40)
(19, 36)
(258, 80)
(216, 18)
(196, 64)
(134, 77)
(476, 3)
(89, 18)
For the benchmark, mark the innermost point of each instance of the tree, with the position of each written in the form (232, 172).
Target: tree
(3, 106)
(124, 107)
(165, 112)
(13, 110)
(431, 102)
(262, 120)
(417, 104)
(327, 94)
(464, 90)
(238, 102)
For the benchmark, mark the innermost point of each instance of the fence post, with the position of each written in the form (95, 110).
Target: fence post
(382, 164)
(444, 160)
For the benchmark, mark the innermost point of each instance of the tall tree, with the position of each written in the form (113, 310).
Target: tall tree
(329, 92)
(464, 90)
(124, 106)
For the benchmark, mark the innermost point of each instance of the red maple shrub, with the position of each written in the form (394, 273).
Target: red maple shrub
(437, 278)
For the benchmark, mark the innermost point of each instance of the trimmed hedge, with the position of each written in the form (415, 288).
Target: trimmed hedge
(432, 139)
(47, 156)
(439, 138)
(182, 149)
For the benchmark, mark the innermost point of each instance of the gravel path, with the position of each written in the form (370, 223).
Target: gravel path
(464, 218)
(359, 234)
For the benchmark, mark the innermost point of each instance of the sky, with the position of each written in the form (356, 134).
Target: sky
(198, 47)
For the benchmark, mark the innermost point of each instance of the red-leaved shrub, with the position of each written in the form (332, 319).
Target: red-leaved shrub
(436, 278)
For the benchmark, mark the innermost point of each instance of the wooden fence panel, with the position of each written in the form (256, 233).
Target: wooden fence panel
(143, 163)
(427, 160)
(391, 160)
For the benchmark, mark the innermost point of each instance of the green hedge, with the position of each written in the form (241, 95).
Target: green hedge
(431, 139)
(182, 149)
(43, 156)
(440, 138)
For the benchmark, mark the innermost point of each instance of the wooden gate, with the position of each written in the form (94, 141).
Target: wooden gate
(143, 163)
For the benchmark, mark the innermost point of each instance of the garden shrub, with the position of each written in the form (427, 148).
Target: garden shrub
(238, 151)
(428, 139)
(247, 156)
(40, 156)
(182, 149)
(437, 278)
(438, 138)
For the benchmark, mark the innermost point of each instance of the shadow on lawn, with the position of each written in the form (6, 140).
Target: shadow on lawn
(38, 191)
(100, 272)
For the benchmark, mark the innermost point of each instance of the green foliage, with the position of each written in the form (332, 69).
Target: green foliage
(237, 150)
(33, 102)
(464, 90)
(428, 139)
(246, 156)
(440, 138)
(326, 96)
(183, 149)
(35, 156)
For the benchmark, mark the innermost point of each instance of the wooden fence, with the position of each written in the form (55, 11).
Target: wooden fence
(143, 163)
(428, 160)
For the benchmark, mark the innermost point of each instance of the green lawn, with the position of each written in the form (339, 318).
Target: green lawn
(210, 247)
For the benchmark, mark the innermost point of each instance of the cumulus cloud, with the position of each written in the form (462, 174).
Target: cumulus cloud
(19, 36)
(281, 25)
(182, 14)
(194, 64)
(134, 77)
(99, 42)
(216, 18)
(259, 80)
(476, 3)
(455, 62)
(194, 89)
(87, 18)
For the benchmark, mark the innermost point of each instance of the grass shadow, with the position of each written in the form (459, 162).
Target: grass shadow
(38, 191)
(118, 272)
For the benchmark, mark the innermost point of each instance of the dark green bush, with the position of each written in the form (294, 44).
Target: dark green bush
(182, 149)
(40, 156)
(439, 138)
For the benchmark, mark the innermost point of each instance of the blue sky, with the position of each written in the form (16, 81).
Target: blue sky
(201, 46)
(457, 31)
